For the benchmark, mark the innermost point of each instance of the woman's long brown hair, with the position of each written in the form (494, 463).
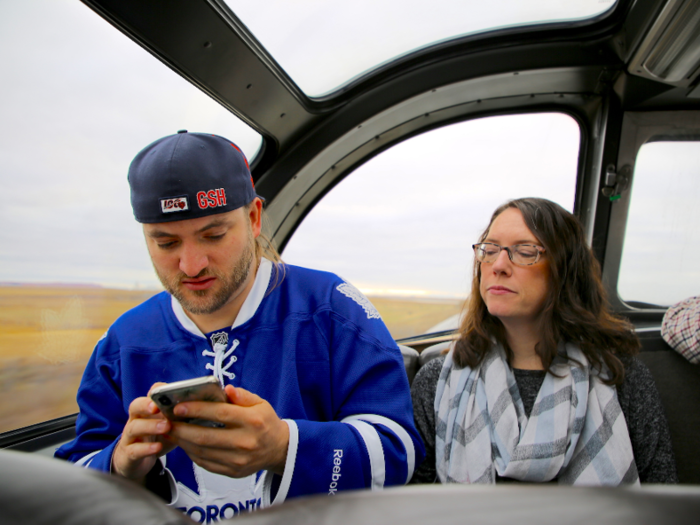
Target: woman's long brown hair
(575, 309)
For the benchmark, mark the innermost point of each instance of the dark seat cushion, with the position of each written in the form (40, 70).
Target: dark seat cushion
(678, 382)
(36, 490)
(523, 504)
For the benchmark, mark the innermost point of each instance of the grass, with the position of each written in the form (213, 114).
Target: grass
(47, 334)
(409, 317)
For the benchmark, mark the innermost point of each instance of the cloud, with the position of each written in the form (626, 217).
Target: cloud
(79, 100)
(407, 218)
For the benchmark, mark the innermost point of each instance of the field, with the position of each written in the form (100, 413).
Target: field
(48, 332)
(409, 317)
(46, 337)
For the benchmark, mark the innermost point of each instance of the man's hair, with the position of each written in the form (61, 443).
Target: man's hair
(575, 308)
(264, 247)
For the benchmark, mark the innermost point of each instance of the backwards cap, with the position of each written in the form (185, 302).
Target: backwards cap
(187, 176)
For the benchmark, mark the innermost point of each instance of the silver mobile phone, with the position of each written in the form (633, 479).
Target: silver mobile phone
(205, 388)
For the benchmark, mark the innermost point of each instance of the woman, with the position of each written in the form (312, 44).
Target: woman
(541, 384)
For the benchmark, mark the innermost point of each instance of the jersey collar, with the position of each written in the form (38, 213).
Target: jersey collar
(250, 305)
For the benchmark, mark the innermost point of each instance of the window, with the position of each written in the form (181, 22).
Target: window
(401, 226)
(662, 241)
(324, 44)
(79, 100)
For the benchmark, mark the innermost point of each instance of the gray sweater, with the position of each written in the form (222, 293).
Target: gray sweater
(639, 400)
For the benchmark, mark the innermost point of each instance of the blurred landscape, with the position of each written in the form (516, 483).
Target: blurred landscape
(408, 317)
(47, 334)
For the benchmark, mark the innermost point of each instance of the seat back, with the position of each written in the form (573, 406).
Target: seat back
(678, 382)
(431, 352)
(410, 361)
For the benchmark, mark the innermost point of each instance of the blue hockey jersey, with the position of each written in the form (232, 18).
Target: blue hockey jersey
(307, 342)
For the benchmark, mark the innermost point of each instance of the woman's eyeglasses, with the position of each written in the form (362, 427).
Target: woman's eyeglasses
(520, 254)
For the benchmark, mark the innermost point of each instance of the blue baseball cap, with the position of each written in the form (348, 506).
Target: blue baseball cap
(187, 176)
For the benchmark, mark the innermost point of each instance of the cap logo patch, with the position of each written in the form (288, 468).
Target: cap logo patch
(174, 204)
(211, 199)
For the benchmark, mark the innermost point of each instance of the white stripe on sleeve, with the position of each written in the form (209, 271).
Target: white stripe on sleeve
(85, 460)
(374, 447)
(289, 464)
(400, 433)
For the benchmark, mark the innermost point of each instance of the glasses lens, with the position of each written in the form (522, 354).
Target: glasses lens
(525, 254)
(487, 252)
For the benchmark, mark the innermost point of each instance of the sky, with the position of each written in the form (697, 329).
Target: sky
(349, 38)
(404, 222)
(79, 100)
(662, 240)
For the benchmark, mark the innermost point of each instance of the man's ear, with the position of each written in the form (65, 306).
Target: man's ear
(255, 216)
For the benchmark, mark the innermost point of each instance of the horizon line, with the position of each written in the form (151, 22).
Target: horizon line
(393, 293)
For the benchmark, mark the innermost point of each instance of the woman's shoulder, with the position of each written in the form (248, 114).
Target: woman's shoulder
(425, 382)
(637, 374)
(430, 372)
(637, 394)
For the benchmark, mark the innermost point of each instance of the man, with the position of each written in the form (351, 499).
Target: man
(318, 397)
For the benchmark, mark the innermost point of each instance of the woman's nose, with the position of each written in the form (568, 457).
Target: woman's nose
(192, 261)
(502, 262)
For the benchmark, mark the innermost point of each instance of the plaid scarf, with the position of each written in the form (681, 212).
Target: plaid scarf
(576, 432)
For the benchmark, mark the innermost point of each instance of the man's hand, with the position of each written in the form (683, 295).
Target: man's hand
(142, 440)
(254, 438)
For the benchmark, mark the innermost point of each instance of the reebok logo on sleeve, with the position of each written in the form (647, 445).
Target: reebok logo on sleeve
(335, 476)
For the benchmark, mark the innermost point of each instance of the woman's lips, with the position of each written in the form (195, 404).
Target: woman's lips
(500, 290)
(199, 284)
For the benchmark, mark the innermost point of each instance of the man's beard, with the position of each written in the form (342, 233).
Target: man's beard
(230, 284)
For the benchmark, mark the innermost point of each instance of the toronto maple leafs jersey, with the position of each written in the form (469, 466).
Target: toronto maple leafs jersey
(306, 341)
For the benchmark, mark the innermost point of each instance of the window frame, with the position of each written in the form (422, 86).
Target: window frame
(461, 102)
(638, 129)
